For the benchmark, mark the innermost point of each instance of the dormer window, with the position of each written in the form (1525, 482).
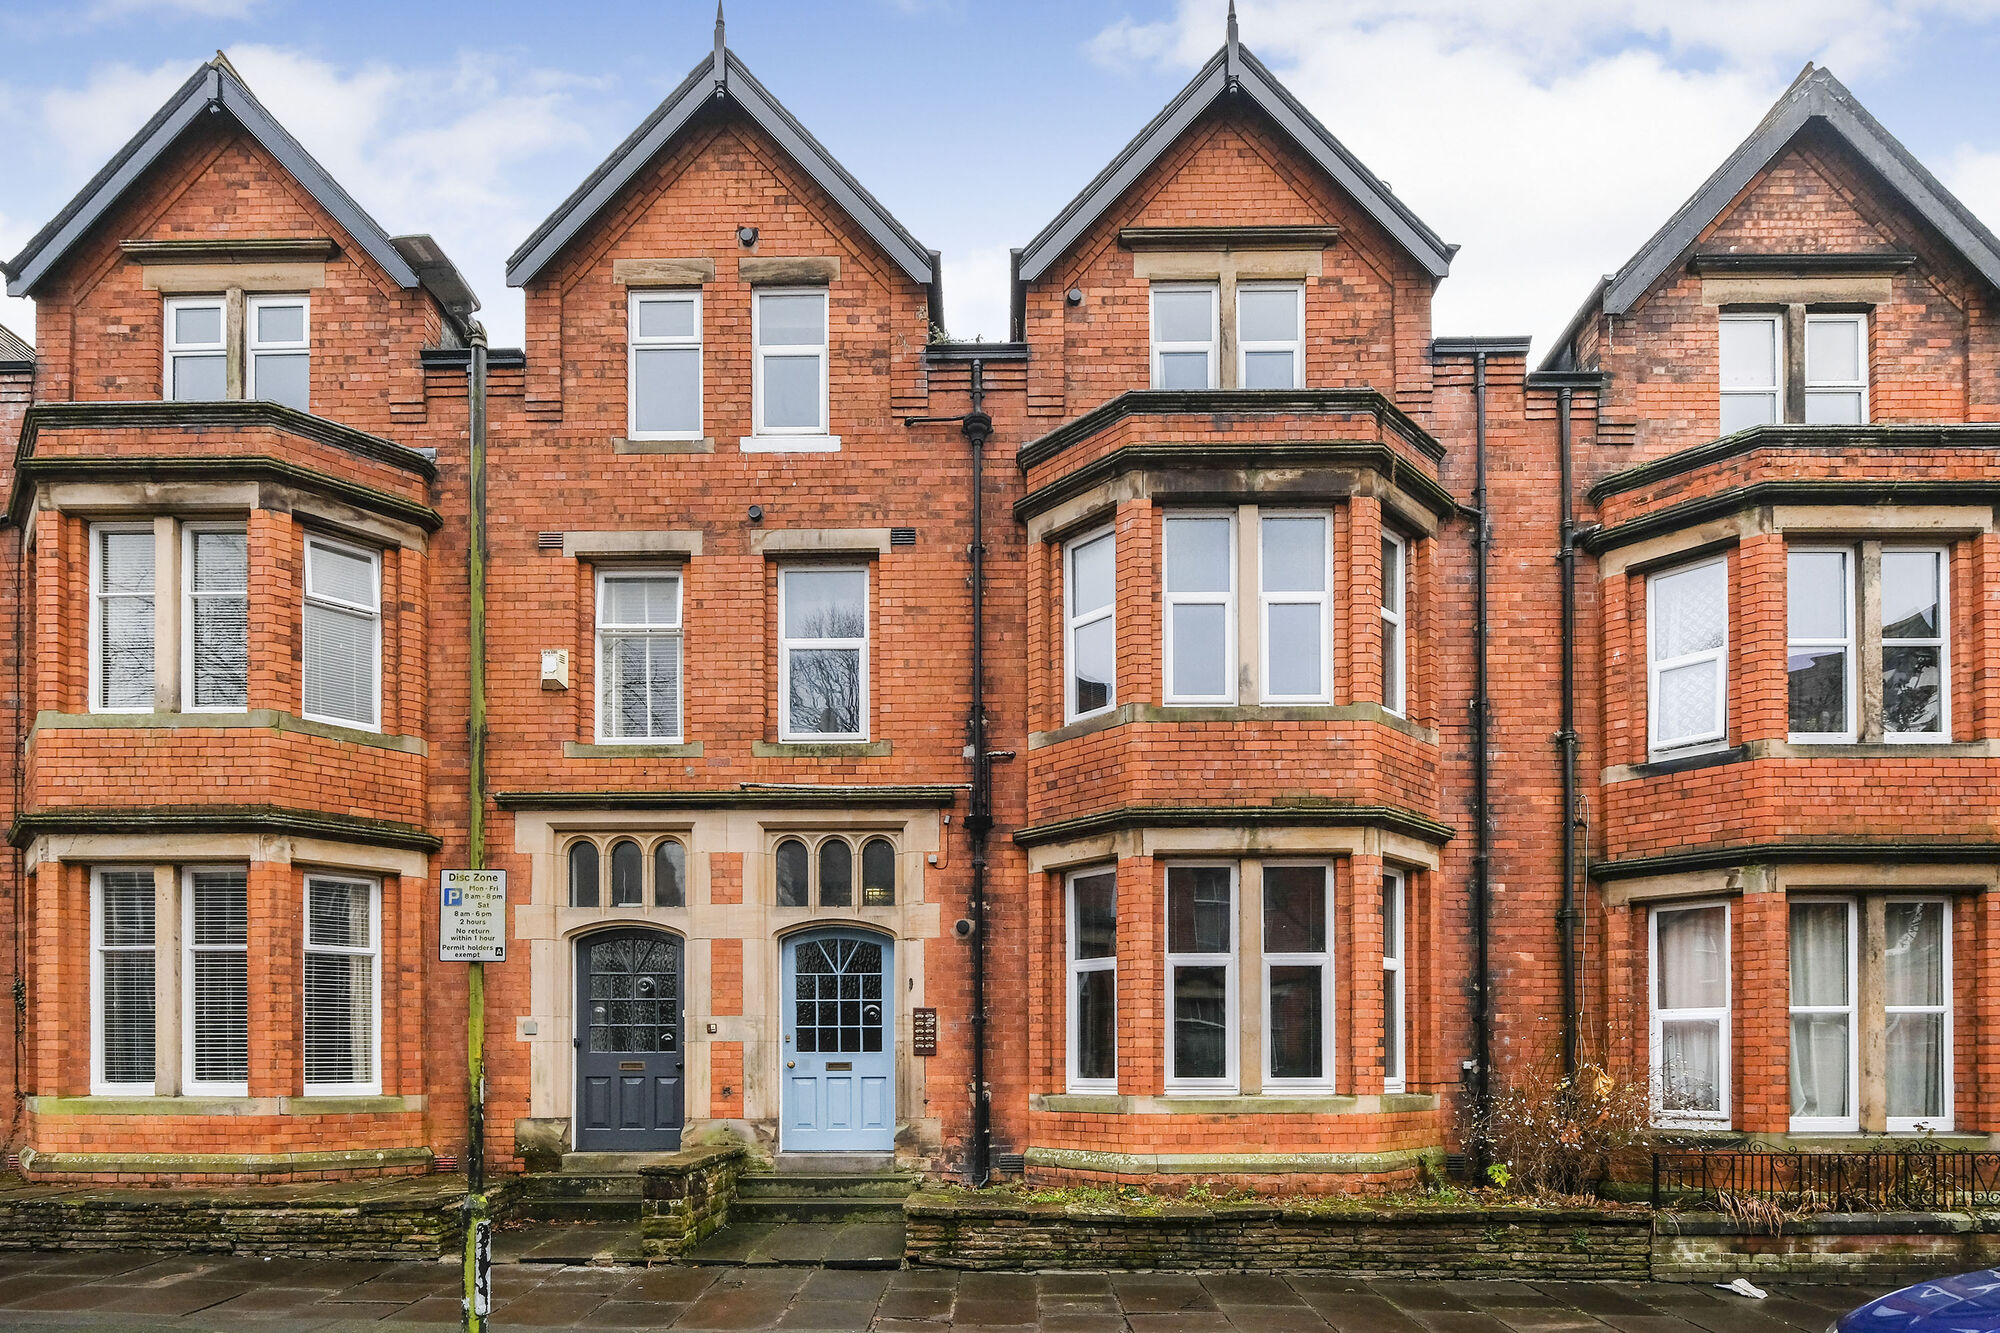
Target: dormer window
(280, 357)
(197, 352)
(1185, 335)
(1836, 370)
(263, 352)
(1270, 335)
(1760, 356)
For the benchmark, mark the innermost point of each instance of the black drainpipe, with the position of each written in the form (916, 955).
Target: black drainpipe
(1566, 918)
(977, 427)
(1482, 1090)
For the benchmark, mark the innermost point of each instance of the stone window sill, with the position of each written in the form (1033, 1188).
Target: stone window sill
(577, 750)
(254, 719)
(1267, 1104)
(1235, 714)
(789, 444)
(624, 445)
(224, 1106)
(821, 749)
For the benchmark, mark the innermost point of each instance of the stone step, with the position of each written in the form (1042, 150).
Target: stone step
(803, 1244)
(815, 1208)
(827, 1185)
(576, 1198)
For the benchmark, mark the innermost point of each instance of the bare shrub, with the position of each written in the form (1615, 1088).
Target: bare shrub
(1557, 1135)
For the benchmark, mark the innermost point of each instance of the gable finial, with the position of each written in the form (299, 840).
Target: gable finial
(720, 72)
(1229, 51)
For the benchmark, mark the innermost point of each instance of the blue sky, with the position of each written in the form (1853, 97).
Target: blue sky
(1547, 137)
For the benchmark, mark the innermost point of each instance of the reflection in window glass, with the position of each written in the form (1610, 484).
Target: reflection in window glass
(794, 874)
(878, 873)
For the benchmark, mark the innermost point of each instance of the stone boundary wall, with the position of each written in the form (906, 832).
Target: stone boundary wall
(685, 1199)
(1870, 1248)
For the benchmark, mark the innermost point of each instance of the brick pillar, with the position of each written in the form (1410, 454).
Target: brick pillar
(1760, 1005)
(1627, 1008)
(1360, 609)
(725, 877)
(1357, 910)
(276, 587)
(59, 979)
(1138, 604)
(1143, 1003)
(725, 1080)
(276, 899)
(725, 977)
(1758, 702)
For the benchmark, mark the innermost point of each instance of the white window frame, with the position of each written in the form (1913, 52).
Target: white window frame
(1323, 960)
(1850, 645)
(95, 629)
(99, 1085)
(802, 439)
(1080, 620)
(190, 1084)
(1942, 642)
(1776, 390)
(374, 559)
(1169, 600)
(1860, 321)
(1944, 1123)
(634, 342)
(372, 1087)
(787, 646)
(1075, 969)
(1213, 347)
(1232, 1017)
(1715, 737)
(1397, 620)
(677, 632)
(189, 596)
(1323, 599)
(170, 350)
(1395, 963)
(1719, 1118)
(1851, 1122)
(253, 349)
(1296, 344)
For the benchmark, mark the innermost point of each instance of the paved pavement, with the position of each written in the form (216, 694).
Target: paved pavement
(144, 1293)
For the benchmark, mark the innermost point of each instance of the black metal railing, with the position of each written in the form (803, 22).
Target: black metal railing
(1916, 1180)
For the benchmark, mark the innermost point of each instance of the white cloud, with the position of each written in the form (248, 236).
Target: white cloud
(1548, 137)
(1974, 176)
(977, 292)
(106, 10)
(16, 312)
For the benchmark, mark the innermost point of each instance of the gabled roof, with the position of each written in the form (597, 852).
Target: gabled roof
(14, 353)
(721, 77)
(1234, 70)
(215, 85)
(1814, 95)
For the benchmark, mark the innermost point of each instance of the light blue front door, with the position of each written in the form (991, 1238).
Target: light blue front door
(839, 1046)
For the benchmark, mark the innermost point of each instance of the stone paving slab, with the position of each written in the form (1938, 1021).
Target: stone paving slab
(135, 1293)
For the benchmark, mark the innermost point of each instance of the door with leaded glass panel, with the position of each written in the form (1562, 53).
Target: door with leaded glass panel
(630, 1065)
(839, 1043)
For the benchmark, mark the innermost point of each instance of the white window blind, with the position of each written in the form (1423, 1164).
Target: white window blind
(823, 653)
(1093, 981)
(790, 394)
(1270, 335)
(1690, 1014)
(1917, 1012)
(664, 366)
(639, 656)
(1687, 644)
(341, 986)
(1752, 371)
(122, 944)
(1293, 574)
(343, 635)
(121, 632)
(1819, 608)
(1201, 978)
(197, 368)
(1200, 610)
(215, 982)
(216, 666)
(280, 348)
(1836, 370)
(1298, 978)
(1090, 625)
(1916, 653)
(1395, 593)
(1184, 336)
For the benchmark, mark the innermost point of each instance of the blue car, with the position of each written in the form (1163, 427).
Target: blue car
(1969, 1303)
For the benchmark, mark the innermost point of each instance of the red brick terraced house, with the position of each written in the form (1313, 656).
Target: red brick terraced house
(1221, 734)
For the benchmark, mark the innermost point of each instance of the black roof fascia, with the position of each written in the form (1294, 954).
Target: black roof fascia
(975, 351)
(458, 358)
(732, 82)
(1815, 94)
(214, 85)
(1504, 345)
(1233, 68)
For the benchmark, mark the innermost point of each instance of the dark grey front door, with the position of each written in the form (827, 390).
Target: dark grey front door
(629, 1061)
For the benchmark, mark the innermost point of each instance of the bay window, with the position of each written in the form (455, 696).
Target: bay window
(341, 667)
(1834, 651)
(1687, 641)
(342, 983)
(1825, 1065)
(1395, 586)
(823, 653)
(1200, 610)
(1395, 982)
(1298, 978)
(122, 964)
(1201, 978)
(1819, 612)
(1092, 992)
(1916, 1006)
(1689, 1025)
(215, 662)
(215, 1021)
(1090, 625)
(1916, 657)
(122, 635)
(639, 656)
(1295, 576)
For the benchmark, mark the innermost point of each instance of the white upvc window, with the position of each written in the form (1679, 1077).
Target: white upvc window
(279, 367)
(1294, 574)
(122, 634)
(639, 649)
(823, 653)
(342, 667)
(1753, 370)
(1201, 978)
(1819, 609)
(122, 1012)
(1200, 626)
(663, 365)
(1186, 335)
(1270, 335)
(1298, 977)
(1090, 625)
(789, 393)
(1395, 981)
(1916, 644)
(1687, 651)
(215, 618)
(1689, 1028)
(1917, 1014)
(197, 349)
(215, 982)
(1836, 370)
(1825, 1039)
(1092, 997)
(1395, 623)
(343, 986)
